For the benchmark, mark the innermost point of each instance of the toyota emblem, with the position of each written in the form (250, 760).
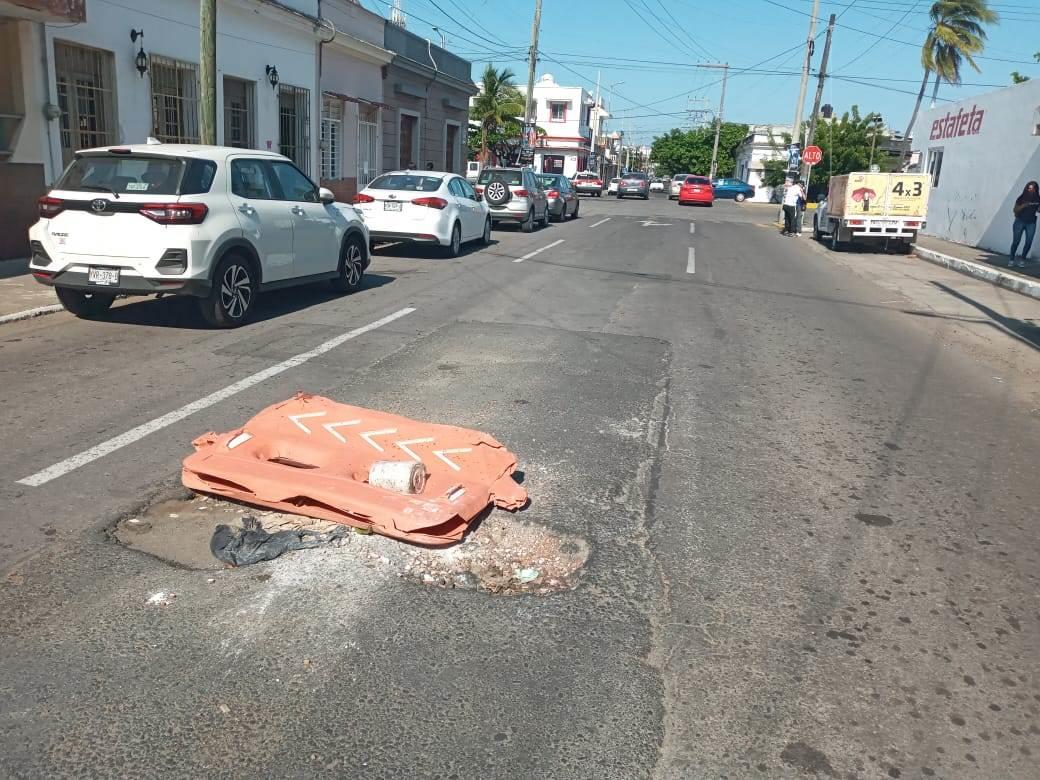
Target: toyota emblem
(98, 205)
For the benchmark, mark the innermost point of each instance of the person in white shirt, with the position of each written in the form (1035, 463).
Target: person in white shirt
(794, 196)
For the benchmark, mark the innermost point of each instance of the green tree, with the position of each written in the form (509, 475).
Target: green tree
(956, 34)
(498, 104)
(1018, 78)
(689, 151)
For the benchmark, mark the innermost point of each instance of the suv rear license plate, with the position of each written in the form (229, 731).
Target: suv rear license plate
(104, 277)
(389, 205)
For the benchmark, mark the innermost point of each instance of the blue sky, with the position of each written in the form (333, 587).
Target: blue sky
(876, 52)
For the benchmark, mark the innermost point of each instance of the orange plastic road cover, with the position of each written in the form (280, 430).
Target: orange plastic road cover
(311, 456)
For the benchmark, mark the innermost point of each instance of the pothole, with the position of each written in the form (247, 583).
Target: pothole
(501, 554)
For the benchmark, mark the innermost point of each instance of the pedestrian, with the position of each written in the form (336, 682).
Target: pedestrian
(1025, 222)
(793, 195)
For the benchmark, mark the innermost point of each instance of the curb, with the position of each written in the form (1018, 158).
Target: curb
(28, 314)
(987, 273)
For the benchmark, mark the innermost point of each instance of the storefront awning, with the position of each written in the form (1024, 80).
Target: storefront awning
(352, 99)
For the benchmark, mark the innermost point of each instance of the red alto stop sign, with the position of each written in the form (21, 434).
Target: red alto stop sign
(812, 155)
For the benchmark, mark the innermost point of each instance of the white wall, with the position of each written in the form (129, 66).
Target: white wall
(982, 172)
(250, 36)
(32, 145)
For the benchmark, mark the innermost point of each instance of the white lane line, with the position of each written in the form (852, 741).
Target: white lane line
(28, 314)
(691, 262)
(597, 224)
(693, 228)
(134, 434)
(529, 255)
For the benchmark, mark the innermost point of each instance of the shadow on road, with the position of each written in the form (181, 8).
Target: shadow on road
(1026, 332)
(410, 250)
(182, 311)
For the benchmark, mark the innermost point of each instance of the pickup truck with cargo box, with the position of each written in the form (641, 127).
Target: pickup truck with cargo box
(872, 208)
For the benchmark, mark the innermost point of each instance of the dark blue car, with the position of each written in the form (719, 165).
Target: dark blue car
(733, 188)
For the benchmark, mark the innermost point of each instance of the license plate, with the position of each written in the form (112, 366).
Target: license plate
(389, 205)
(696, 189)
(105, 277)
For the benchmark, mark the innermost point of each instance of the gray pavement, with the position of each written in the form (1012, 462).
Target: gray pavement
(806, 480)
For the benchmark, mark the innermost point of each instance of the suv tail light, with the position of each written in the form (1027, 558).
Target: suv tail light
(363, 198)
(521, 193)
(433, 202)
(174, 213)
(480, 190)
(49, 207)
(553, 193)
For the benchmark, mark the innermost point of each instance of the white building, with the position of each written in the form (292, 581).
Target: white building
(763, 143)
(564, 114)
(980, 152)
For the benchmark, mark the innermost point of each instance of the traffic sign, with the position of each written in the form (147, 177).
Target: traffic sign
(812, 155)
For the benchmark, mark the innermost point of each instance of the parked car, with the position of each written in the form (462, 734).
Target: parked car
(696, 189)
(472, 170)
(219, 224)
(736, 189)
(563, 200)
(635, 183)
(427, 207)
(612, 186)
(514, 195)
(587, 183)
(657, 185)
(673, 188)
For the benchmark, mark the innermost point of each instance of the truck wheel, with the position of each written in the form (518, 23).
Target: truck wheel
(816, 234)
(837, 245)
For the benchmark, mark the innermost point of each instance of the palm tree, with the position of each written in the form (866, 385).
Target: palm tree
(956, 33)
(498, 102)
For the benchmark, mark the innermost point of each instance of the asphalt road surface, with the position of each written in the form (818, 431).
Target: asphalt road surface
(808, 483)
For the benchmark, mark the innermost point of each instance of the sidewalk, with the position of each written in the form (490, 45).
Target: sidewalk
(981, 264)
(21, 296)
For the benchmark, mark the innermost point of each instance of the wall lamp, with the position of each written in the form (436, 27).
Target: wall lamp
(141, 60)
(272, 76)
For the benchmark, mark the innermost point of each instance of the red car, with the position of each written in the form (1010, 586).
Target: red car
(696, 189)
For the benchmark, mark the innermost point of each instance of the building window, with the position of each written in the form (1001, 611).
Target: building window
(294, 124)
(239, 115)
(557, 112)
(368, 149)
(451, 146)
(331, 138)
(175, 100)
(935, 160)
(409, 141)
(552, 163)
(85, 96)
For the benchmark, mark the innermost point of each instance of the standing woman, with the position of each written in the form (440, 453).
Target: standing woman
(1025, 222)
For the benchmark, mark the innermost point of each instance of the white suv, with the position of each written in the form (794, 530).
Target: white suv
(216, 223)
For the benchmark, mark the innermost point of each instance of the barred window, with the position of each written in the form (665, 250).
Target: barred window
(85, 98)
(294, 124)
(175, 100)
(368, 149)
(239, 114)
(331, 138)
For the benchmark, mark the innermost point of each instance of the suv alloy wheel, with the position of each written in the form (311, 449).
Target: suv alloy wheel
(230, 299)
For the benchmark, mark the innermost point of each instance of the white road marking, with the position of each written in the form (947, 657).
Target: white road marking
(331, 428)
(441, 453)
(693, 228)
(597, 224)
(30, 313)
(297, 417)
(529, 255)
(134, 434)
(651, 223)
(691, 262)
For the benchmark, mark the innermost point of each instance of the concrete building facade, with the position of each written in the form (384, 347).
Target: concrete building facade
(564, 113)
(762, 144)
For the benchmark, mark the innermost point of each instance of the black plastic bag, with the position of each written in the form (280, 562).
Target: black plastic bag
(252, 544)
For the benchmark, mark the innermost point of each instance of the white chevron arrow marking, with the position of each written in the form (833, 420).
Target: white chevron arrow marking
(404, 446)
(297, 417)
(440, 454)
(331, 428)
(369, 434)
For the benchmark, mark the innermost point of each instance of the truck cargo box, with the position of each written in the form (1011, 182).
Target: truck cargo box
(879, 195)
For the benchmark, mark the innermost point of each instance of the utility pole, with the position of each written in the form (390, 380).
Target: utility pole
(595, 128)
(810, 137)
(796, 130)
(208, 70)
(532, 61)
(718, 118)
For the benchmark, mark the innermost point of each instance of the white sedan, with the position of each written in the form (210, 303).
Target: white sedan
(427, 207)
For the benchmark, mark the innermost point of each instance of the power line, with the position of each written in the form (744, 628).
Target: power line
(877, 40)
(678, 24)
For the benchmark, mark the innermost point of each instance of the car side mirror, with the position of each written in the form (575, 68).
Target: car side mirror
(326, 196)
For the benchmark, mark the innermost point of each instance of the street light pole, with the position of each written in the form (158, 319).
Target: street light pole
(617, 157)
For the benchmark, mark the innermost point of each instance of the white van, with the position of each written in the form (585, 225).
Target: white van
(472, 170)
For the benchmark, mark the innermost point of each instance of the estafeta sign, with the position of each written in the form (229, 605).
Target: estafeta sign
(961, 123)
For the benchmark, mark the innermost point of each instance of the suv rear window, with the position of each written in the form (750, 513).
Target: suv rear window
(697, 180)
(124, 174)
(512, 177)
(586, 176)
(679, 177)
(640, 176)
(407, 181)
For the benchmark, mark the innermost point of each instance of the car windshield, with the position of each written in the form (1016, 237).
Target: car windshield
(679, 177)
(409, 182)
(123, 173)
(549, 181)
(585, 176)
(513, 178)
(635, 176)
(614, 181)
(697, 180)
